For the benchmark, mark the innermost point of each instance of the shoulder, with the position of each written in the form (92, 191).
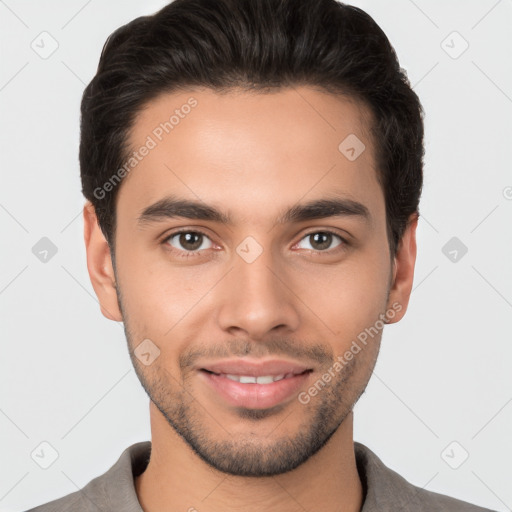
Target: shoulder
(386, 490)
(79, 501)
(113, 490)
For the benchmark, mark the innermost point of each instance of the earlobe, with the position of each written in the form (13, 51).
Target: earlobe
(404, 263)
(99, 265)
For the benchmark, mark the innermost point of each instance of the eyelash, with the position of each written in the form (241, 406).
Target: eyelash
(188, 254)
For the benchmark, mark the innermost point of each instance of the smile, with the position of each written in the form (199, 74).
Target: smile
(255, 391)
(256, 379)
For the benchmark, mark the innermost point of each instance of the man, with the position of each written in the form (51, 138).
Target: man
(253, 170)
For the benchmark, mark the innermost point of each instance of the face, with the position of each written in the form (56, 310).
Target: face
(251, 260)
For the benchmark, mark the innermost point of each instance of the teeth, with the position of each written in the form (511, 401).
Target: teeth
(249, 379)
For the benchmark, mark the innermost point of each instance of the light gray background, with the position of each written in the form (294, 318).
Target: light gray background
(444, 372)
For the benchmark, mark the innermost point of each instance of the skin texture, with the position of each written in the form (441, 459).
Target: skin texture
(251, 155)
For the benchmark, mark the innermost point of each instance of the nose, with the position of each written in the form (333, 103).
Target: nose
(257, 298)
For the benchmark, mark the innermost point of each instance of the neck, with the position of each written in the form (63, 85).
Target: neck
(177, 479)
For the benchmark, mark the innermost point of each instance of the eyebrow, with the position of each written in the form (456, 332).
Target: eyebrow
(171, 207)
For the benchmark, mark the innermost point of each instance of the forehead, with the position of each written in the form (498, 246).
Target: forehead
(252, 150)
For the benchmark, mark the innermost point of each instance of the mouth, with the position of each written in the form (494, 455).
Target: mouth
(255, 386)
(257, 379)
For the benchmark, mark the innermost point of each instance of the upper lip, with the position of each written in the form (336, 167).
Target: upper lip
(255, 369)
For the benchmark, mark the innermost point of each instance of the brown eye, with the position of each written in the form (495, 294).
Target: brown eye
(322, 241)
(189, 241)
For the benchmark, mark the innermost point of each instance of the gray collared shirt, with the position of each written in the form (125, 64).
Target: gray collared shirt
(384, 489)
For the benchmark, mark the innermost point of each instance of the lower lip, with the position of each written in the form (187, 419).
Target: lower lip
(255, 396)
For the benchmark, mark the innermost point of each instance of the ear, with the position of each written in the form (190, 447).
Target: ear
(99, 265)
(403, 271)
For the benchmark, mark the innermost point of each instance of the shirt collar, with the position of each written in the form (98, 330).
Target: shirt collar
(383, 489)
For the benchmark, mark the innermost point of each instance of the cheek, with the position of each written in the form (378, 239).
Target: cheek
(350, 297)
(143, 291)
(158, 295)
